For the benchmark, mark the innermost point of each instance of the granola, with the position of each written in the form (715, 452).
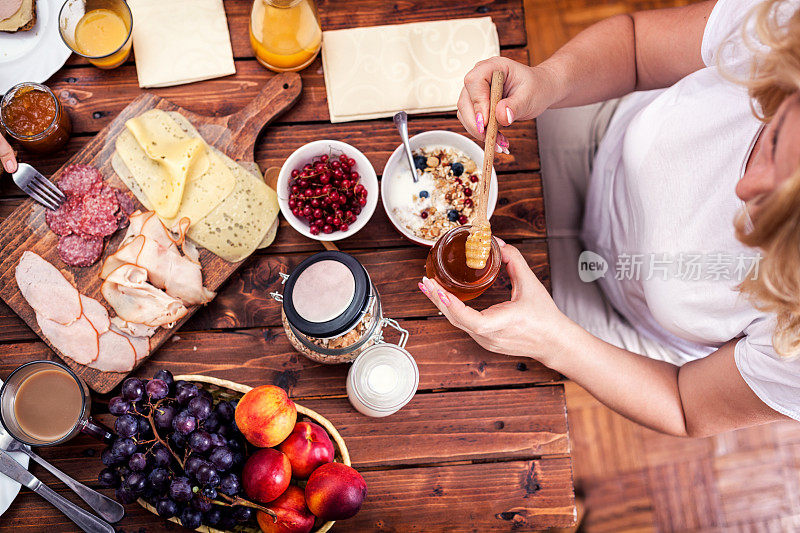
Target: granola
(442, 197)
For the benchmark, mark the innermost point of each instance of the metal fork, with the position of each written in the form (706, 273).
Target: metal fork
(38, 187)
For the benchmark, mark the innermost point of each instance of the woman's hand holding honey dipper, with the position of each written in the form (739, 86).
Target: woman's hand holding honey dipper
(479, 243)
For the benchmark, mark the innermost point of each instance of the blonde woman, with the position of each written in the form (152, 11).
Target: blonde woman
(688, 189)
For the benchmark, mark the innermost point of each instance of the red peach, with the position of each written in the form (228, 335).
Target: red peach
(335, 491)
(307, 447)
(292, 511)
(266, 475)
(266, 416)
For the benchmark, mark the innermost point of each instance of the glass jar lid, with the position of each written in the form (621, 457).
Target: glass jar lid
(326, 294)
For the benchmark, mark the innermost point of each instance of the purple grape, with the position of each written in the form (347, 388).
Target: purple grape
(225, 411)
(118, 406)
(213, 517)
(225, 430)
(124, 495)
(165, 376)
(161, 457)
(163, 416)
(207, 476)
(132, 389)
(158, 478)
(145, 430)
(211, 424)
(230, 485)
(108, 458)
(199, 441)
(210, 493)
(178, 440)
(135, 482)
(201, 504)
(222, 458)
(242, 514)
(108, 478)
(191, 518)
(123, 448)
(122, 470)
(192, 464)
(235, 445)
(185, 393)
(227, 522)
(180, 489)
(218, 440)
(126, 425)
(157, 389)
(137, 462)
(238, 458)
(184, 423)
(199, 407)
(166, 508)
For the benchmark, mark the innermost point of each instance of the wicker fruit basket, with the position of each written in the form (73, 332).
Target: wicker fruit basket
(222, 389)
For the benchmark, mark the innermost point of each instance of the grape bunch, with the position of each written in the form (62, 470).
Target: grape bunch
(179, 450)
(326, 193)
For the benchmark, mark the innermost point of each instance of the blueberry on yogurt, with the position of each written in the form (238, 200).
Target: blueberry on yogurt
(457, 169)
(452, 215)
(423, 194)
(420, 162)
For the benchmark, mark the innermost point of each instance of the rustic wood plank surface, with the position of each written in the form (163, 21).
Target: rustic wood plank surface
(484, 444)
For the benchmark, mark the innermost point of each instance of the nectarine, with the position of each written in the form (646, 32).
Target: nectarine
(335, 491)
(266, 416)
(307, 447)
(266, 475)
(292, 511)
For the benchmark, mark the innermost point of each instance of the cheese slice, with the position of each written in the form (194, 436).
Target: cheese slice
(178, 173)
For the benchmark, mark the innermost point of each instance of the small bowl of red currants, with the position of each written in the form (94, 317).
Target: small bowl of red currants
(327, 190)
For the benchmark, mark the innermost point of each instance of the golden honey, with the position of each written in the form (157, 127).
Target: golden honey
(447, 264)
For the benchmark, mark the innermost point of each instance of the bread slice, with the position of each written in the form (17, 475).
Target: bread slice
(23, 20)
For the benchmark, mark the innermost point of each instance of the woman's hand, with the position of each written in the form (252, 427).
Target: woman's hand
(527, 92)
(7, 156)
(523, 326)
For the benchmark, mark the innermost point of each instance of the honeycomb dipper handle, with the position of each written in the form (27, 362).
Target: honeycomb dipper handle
(479, 242)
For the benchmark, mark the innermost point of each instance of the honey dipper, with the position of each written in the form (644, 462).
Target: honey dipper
(479, 242)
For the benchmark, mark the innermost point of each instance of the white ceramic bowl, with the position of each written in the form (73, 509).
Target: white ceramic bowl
(397, 163)
(305, 154)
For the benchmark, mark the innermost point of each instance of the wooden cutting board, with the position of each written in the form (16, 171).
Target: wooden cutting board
(26, 229)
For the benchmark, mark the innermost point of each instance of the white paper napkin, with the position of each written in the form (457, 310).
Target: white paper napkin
(180, 41)
(377, 71)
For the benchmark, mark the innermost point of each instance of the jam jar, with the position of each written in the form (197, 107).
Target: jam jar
(331, 310)
(34, 116)
(447, 264)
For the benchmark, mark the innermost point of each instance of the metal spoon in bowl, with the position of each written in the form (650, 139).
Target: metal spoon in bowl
(102, 505)
(401, 121)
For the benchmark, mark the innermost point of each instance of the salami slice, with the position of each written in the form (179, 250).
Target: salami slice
(80, 250)
(59, 220)
(99, 212)
(126, 204)
(78, 180)
(122, 219)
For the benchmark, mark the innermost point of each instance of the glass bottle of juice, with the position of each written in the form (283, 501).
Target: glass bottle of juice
(285, 34)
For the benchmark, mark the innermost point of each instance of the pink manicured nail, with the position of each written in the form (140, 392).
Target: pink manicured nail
(479, 122)
(509, 115)
(423, 289)
(9, 166)
(443, 297)
(500, 241)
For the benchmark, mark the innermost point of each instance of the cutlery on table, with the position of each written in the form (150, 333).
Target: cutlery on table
(37, 186)
(401, 121)
(83, 519)
(101, 504)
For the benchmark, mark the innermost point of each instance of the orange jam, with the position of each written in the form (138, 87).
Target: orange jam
(31, 113)
(447, 264)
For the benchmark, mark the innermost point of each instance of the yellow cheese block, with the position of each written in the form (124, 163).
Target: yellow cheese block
(176, 172)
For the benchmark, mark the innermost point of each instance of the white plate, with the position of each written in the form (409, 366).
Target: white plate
(397, 163)
(36, 54)
(8, 488)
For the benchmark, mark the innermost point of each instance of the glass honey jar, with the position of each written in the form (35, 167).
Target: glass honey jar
(285, 34)
(447, 264)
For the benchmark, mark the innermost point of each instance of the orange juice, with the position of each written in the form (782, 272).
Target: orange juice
(103, 36)
(285, 34)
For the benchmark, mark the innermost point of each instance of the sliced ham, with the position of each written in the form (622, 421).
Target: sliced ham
(127, 291)
(116, 353)
(78, 340)
(47, 290)
(96, 313)
(148, 244)
(141, 344)
(8, 8)
(132, 328)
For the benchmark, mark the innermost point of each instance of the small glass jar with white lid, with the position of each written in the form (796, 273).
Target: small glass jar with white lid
(331, 310)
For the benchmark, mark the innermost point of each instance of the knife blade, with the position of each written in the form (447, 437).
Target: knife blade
(83, 519)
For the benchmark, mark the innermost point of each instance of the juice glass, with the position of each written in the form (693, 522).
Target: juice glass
(99, 30)
(78, 421)
(285, 34)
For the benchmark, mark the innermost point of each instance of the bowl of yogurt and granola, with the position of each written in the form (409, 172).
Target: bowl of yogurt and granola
(449, 167)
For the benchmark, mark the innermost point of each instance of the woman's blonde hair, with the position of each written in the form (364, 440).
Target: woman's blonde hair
(774, 77)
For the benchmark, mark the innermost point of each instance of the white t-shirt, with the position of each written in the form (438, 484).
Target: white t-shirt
(662, 196)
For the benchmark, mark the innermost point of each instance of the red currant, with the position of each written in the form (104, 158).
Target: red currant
(467, 202)
(467, 192)
(327, 228)
(424, 214)
(346, 184)
(313, 229)
(324, 179)
(462, 219)
(344, 227)
(335, 165)
(295, 173)
(343, 158)
(324, 158)
(362, 202)
(351, 162)
(473, 179)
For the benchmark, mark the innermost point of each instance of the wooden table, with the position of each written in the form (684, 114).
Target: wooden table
(484, 444)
